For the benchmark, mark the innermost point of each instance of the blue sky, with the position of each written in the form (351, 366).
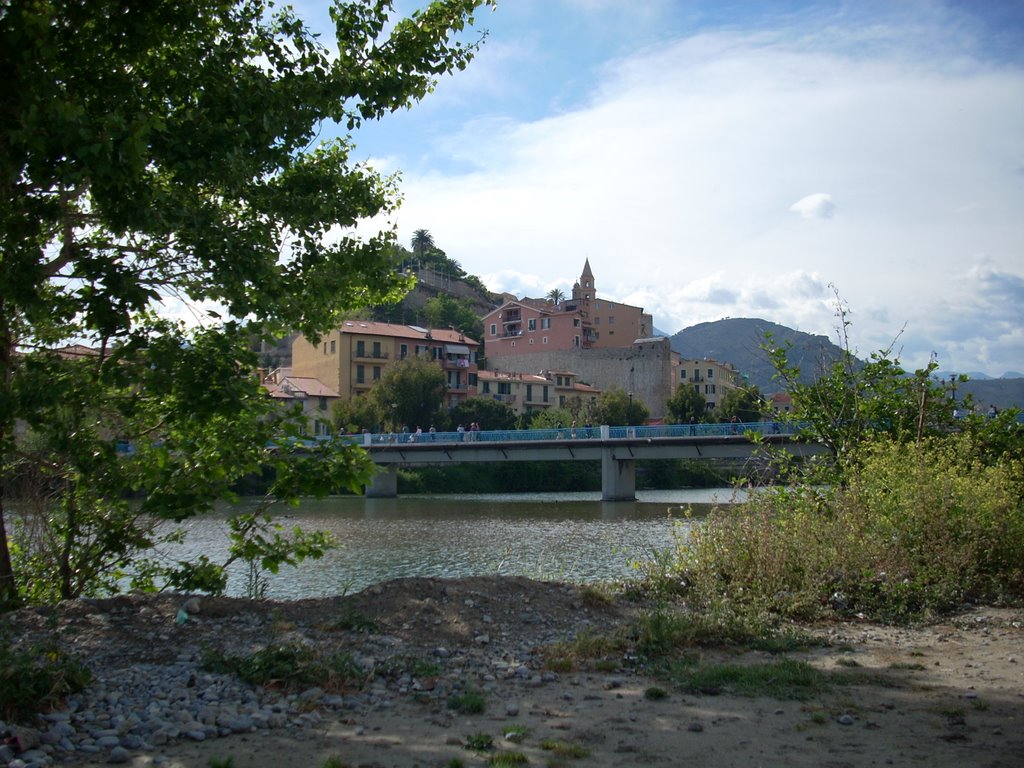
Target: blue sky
(734, 159)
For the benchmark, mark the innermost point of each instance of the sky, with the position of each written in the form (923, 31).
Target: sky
(719, 159)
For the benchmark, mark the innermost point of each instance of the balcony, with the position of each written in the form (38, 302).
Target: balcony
(364, 354)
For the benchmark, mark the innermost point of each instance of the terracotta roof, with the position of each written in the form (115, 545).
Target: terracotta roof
(512, 376)
(298, 386)
(373, 328)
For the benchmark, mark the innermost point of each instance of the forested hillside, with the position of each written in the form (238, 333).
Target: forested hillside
(738, 341)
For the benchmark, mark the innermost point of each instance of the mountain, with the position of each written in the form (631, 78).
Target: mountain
(1002, 393)
(738, 341)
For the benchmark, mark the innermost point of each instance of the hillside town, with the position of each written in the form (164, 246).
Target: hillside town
(535, 355)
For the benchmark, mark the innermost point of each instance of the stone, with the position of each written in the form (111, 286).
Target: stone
(845, 720)
(119, 755)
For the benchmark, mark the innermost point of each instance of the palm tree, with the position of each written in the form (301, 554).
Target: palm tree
(422, 241)
(556, 295)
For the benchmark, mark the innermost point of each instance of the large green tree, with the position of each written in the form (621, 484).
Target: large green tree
(411, 393)
(489, 414)
(686, 403)
(618, 408)
(442, 311)
(745, 403)
(159, 151)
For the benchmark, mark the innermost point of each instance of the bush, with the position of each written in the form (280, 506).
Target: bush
(917, 529)
(290, 667)
(33, 680)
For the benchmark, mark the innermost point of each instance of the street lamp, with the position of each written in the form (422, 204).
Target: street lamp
(629, 414)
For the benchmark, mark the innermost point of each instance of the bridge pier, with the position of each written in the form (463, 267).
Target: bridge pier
(618, 478)
(384, 484)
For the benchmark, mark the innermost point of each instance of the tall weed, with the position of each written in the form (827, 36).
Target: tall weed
(917, 529)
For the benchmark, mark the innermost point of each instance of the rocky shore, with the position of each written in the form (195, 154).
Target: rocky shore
(955, 695)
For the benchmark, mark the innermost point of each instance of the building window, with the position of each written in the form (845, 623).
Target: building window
(403, 351)
(323, 401)
(360, 374)
(494, 329)
(376, 373)
(531, 341)
(360, 349)
(487, 388)
(545, 340)
(531, 324)
(575, 322)
(545, 393)
(711, 373)
(529, 392)
(576, 341)
(545, 323)
(597, 321)
(376, 349)
(334, 346)
(611, 319)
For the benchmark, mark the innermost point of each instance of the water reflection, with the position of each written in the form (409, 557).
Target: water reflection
(570, 536)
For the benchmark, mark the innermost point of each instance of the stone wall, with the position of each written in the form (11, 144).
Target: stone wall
(645, 368)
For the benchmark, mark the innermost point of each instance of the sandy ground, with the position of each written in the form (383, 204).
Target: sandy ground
(949, 694)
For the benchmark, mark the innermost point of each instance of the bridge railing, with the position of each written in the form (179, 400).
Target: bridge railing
(572, 433)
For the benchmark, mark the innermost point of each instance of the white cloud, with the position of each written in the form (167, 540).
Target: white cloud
(816, 206)
(677, 179)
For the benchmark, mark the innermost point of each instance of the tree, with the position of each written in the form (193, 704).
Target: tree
(488, 413)
(422, 243)
(442, 311)
(851, 400)
(556, 295)
(410, 393)
(618, 408)
(745, 403)
(551, 418)
(357, 414)
(169, 152)
(686, 403)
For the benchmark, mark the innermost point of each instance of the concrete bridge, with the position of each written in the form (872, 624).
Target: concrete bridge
(617, 448)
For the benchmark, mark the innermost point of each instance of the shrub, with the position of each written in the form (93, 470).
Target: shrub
(289, 666)
(33, 680)
(917, 529)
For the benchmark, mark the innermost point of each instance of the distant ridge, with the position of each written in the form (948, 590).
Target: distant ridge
(738, 340)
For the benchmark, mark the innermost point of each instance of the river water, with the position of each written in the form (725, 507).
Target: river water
(556, 536)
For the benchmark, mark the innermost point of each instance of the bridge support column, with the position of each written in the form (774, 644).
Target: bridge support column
(384, 484)
(618, 478)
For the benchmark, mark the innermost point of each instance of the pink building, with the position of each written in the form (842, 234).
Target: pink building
(584, 321)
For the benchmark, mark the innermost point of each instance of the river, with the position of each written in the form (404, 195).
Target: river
(556, 536)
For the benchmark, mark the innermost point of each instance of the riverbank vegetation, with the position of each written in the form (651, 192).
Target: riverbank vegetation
(915, 512)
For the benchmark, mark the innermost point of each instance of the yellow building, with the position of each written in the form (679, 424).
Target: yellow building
(527, 393)
(352, 358)
(710, 378)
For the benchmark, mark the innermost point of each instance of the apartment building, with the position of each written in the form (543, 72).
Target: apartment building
(710, 378)
(527, 393)
(352, 358)
(583, 321)
(313, 395)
